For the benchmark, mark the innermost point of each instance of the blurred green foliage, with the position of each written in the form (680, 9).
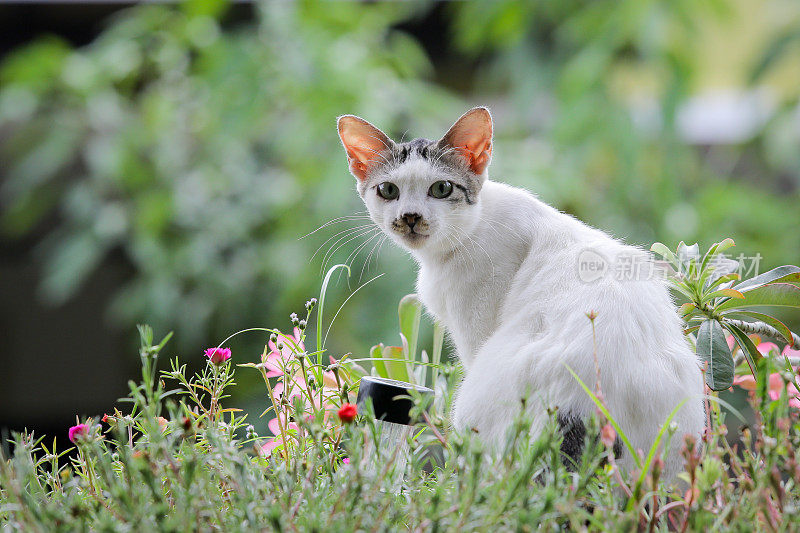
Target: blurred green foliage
(204, 152)
(203, 155)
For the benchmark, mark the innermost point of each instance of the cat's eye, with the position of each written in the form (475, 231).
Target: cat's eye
(388, 190)
(441, 189)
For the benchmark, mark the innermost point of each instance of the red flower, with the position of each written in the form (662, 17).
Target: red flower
(347, 413)
(218, 355)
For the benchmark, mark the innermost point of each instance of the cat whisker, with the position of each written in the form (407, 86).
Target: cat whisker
(333, 251)
(369, 257)
(474, 243)
(386, 159)
(383, 142)
(339, 220)
(376, 161)
(380, 247)
(355, 252)
(360, 231)
(442, 153)
(348, 230)
(501, 224)
(460, 248)
(351, 258)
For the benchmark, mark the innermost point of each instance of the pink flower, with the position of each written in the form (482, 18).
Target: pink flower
(295, 384)
(766, 347)
(279, 437)
(608, 435)
(79, 432)
(274, 425)
(296, 387)
(794, 396)
(271, 444)
(747, 382)
(218, 355)
(788, 352)
(775, 386)
(731, 341)
(275, 361)
(346, 460)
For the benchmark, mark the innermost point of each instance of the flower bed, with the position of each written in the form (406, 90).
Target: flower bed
(181, 458)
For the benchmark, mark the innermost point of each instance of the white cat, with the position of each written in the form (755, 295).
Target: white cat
(512, 279)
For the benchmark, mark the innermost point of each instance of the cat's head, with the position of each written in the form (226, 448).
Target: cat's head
(423, 194)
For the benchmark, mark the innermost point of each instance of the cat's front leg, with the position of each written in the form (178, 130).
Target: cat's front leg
(495, 389)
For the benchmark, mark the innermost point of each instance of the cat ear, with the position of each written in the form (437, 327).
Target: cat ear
(363, 143)
(471, 135)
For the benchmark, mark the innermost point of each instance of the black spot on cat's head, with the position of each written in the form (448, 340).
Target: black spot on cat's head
(442, 156)
(417, 147)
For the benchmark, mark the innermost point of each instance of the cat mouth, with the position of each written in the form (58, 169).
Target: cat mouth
(414, 238)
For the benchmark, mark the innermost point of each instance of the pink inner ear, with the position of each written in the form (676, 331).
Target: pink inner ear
(363, 143)
(479, 155)
(472, 135)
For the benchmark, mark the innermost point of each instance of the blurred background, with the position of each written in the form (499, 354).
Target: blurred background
(160, 163)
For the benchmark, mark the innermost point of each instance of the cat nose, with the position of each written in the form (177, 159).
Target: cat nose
(411, 219)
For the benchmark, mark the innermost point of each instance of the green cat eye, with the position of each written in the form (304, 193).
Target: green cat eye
(388, 190)
(441, 189)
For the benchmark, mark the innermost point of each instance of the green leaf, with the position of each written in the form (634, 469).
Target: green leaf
(397, 368)
(37, 65)
(352, 370)
(762, 379)
(410, 312)
(209, 8)
(683, 288)
(771, 321)
(749, 349)
(774, 53)
(723, 279)
(730, 293)
(713, 349)
(376, 353)
(321, 305)
(688, 255)
(666, 253)
(782, 274)
(717, 248)
(725, 244)
(772, 294)
(438, 342)
(72, 262)
(421, 371)
(405, 355)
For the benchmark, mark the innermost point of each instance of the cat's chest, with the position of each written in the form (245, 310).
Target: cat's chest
(465, 300)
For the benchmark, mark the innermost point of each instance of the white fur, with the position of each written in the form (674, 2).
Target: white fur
(502, 276)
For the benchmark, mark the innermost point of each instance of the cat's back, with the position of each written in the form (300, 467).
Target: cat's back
(565, 268)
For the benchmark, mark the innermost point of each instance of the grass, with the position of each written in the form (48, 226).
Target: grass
(173, 463)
